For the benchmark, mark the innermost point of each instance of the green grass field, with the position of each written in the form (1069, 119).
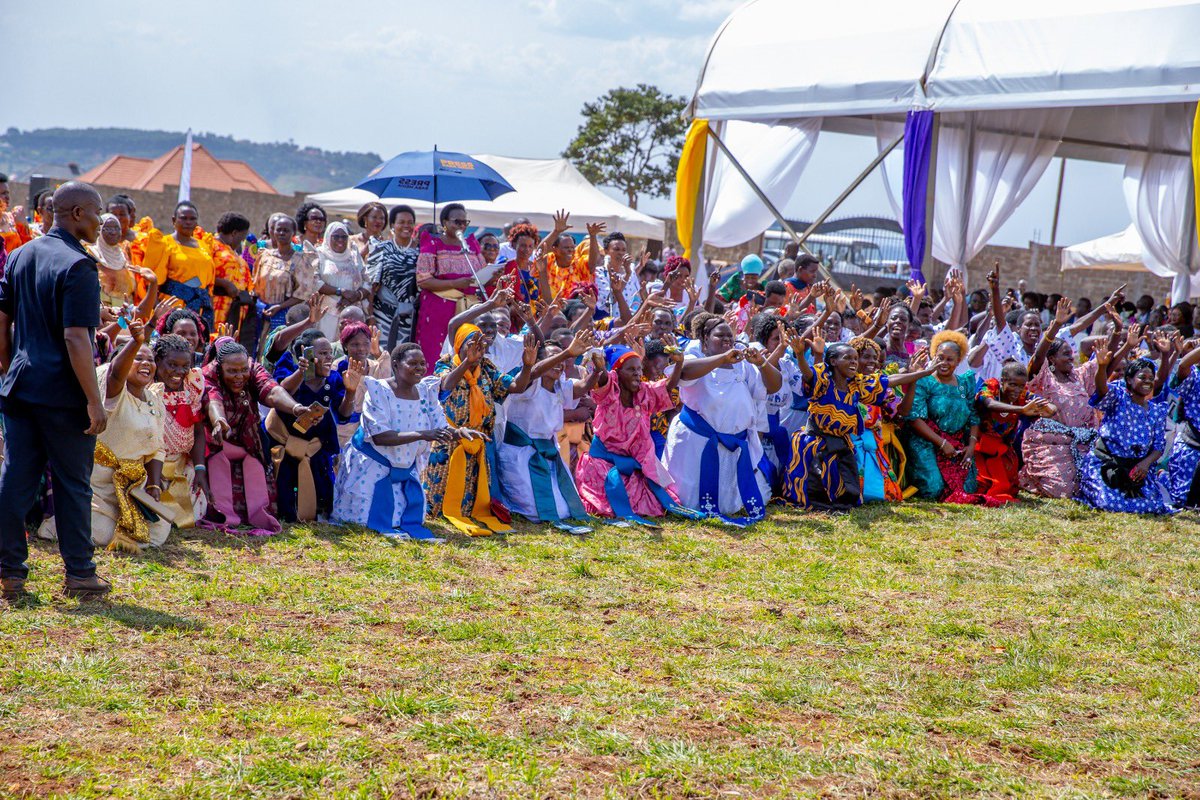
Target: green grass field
(912, 651)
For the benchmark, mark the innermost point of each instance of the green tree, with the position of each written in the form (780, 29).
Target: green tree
(630, 139)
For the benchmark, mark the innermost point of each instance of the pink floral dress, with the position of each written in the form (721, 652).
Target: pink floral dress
(625, 431)
(1053, 446)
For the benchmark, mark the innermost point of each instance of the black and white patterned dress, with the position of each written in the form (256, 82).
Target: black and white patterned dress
(394, 269)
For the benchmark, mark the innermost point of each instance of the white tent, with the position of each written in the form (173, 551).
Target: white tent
(1119, 251)
(1014, 84)
(543, 186)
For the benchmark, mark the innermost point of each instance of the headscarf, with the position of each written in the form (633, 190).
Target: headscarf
(112, 256)
(349, 260)
(617, 354)
(476, 404)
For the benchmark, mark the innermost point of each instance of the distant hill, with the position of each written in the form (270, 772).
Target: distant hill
(289, 167)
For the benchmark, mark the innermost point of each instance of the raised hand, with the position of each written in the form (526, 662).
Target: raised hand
(1118, 295)
(376, 351)
(993, 277)
(917, 290)
(818, 344)
(596, 228)
(562, 221)
(353, 376)
(315, 304)
(755, 356)
(1103, 354)
(584, 340)
(856, 298)
(137, 330)
(1062, 312)
(529, 348)
(714, 278)
(475, 350)
(224, 330)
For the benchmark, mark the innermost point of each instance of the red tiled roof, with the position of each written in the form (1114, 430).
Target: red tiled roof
(152, 175)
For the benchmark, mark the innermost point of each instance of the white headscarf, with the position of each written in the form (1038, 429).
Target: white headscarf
(112, 256)
(347, 260)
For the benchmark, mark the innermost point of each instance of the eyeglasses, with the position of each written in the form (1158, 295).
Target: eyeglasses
(459, 221)
(491, 246)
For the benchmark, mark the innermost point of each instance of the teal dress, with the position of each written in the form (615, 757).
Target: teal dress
(950, 410)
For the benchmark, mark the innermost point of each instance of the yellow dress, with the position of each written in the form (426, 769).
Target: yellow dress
(172, 261)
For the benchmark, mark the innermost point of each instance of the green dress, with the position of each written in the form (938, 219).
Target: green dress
(950, 410)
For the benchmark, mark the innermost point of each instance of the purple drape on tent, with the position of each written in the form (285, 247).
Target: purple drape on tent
(918, 144)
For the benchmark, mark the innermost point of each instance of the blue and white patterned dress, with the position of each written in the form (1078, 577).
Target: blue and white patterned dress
(383, 411)
(1132, 431)
(1185, 459)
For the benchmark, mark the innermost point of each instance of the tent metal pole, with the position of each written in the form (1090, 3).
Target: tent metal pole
(854, 184)
(766, 201)
(1062, 171)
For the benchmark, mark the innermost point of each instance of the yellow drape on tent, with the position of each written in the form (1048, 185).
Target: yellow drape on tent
(689, 180)
(1195, 165)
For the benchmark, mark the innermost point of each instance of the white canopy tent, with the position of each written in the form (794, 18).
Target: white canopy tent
(1013, 85)
(1119, 251)
(542, 186)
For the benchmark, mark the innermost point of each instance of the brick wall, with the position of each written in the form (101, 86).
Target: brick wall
(256, 206)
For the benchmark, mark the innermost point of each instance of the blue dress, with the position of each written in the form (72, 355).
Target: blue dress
(1129, 431)
(1185, 457)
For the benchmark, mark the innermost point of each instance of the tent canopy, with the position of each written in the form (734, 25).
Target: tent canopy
(985, 94)
(848, 62)
(1120, 251)
(543, 186)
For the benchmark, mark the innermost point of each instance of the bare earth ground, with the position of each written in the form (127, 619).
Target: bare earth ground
(906, 651)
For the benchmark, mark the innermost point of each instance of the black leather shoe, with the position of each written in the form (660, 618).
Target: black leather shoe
(86, 588)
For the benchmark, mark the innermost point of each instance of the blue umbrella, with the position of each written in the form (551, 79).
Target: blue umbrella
(436, 176)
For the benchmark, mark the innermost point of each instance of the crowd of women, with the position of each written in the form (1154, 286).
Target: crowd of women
(396, 374)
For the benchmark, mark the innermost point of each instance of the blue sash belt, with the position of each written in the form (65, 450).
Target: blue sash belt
(781, 442)
(544, 460)
(383, 500)
(710, 469)
(193, 295)
(618, 498)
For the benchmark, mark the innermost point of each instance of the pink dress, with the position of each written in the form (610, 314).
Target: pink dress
(1050, 456)
(625, 431)
(440, 260)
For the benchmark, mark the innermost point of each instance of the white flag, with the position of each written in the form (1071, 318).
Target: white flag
(185, 173)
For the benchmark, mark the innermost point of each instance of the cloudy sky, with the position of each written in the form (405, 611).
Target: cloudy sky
(499, 76)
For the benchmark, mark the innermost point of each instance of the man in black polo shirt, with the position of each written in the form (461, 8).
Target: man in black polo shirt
(49, 310)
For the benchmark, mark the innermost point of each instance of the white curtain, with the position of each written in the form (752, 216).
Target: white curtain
(775, 155)
(1158, 193)
(987, 164)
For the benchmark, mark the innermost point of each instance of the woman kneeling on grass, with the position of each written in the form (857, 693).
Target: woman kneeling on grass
(946, 424)
(537, 483)
(379, 477)
(620, 475)
(1121, 473)
(457, 481)
(129, 453)
(714, 452)
(1001, 403)
(240, 475)
(823, 472)
(1185, 454)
